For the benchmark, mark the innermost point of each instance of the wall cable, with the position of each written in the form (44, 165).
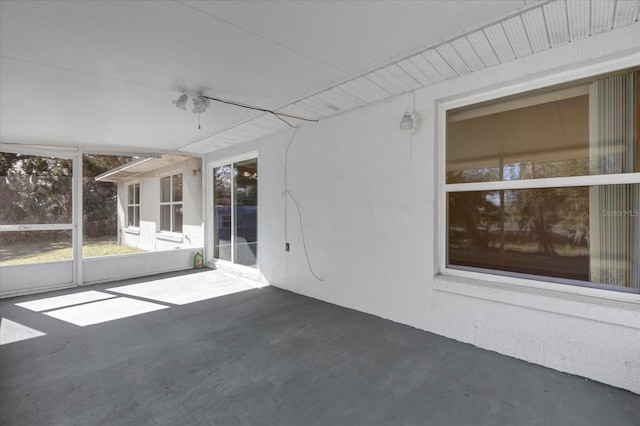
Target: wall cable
(278, 115)
(287, 194)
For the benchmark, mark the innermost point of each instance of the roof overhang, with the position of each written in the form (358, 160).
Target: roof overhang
(139, 167)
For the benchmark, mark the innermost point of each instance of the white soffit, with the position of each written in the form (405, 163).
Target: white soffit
(533, 30)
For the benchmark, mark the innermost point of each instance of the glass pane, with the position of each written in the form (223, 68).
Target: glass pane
(177, 218)
(22, 247)
(246, 213)
(222, 212)
(136, 211)
(165, 189)
(546, 135)
(131, 216)
(136, 199)
(132, 198)
(577, 233)
(165, 218)
(177, 188)
(34, 189)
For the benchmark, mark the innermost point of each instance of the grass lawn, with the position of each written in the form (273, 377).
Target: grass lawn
(50, 251)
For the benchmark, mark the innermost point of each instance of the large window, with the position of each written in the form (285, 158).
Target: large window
(171, 203)
(133, 205)
(547, 185)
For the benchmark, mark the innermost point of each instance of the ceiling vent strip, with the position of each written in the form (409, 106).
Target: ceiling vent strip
(466, 51)
(266, 125)
(235, 135)
(300, 110)
(350, 95)
(626, 12)
(381, 91)
(437, 61)
(268, 120)
(365, 89)
(406, 80)
(579, 12)
(337, 101)
(384, 79)
(500, 43)
(429, 70)
(517, 35)
(316, 105)
(557, 22)
(483, 48)
(415, 72)
(252, 129)
(450, 55)
(602, 12)
(536, 28)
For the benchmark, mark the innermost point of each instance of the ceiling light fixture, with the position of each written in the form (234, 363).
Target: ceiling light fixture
(181, 102)
(202, 102)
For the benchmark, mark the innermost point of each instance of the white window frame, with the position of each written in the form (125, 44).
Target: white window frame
(171, 203)
(138, 204)
(442, 272)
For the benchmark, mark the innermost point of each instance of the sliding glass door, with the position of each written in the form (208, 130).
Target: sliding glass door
(235, 214)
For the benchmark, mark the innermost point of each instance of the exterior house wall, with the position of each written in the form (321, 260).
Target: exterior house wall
(368, 196)
(148, 236)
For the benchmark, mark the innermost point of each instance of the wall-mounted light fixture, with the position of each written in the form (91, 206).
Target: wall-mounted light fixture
(410, 121)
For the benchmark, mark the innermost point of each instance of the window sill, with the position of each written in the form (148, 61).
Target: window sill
(586, 303)
(169, 236)
(133, 231)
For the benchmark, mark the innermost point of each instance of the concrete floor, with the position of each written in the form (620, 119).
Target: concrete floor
(271, 357)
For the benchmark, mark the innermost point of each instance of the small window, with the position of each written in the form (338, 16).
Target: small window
(133, 206)
(171, 203)
(545, 185)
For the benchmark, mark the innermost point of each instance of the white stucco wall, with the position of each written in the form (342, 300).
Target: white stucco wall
(369, 201)
(148, 237)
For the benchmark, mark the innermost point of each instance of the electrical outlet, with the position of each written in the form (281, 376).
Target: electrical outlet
(286, 246)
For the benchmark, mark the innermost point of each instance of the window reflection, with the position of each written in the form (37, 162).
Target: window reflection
(537, 138)
(222, 212)
(577, 233)
(246, 213)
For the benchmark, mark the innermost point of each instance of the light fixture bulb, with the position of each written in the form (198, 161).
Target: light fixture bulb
(181, 102)
(410, 122)
(407, 122)
(200, 104)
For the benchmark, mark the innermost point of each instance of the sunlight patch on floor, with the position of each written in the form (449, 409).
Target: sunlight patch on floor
(188, 288)
(11, 331)
(104, 311)
(66, 300)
